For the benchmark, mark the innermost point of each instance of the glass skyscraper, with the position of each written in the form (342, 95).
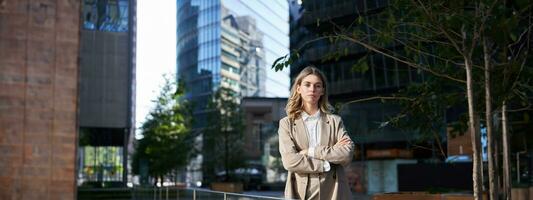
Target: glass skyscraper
(231, 44)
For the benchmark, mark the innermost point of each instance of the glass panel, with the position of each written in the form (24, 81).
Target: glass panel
(106, 15)
(101, 164)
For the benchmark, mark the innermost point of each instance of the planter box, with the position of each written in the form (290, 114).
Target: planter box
(520, 193)
(457, 197)
(407, 196)
(227, 187)
(389, 153)
(424, 196)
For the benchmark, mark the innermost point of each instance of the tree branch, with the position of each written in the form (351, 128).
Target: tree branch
(450, 38)
(375, 98)
(372, 48)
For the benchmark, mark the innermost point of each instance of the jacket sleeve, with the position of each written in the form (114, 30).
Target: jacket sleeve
(292, 160)
(337, 154)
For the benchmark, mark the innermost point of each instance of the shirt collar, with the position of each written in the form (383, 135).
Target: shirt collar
(306, 116)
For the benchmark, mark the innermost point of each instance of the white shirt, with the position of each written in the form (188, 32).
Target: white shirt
(312, 125)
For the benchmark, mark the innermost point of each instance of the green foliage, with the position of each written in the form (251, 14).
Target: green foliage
(361, 66)
(224, 135)
(167, 143)
(285, 61)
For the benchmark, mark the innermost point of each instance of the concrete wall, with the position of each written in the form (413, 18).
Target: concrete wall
(39, 42)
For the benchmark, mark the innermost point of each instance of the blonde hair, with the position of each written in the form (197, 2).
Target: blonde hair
(295, 105)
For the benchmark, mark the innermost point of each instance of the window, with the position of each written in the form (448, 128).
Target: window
(106, 15)
(101, 163)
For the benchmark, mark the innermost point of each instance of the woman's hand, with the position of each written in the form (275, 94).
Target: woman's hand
(344, 141)
(303, 152)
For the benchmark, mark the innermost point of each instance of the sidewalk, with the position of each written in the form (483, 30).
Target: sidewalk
(279, 194)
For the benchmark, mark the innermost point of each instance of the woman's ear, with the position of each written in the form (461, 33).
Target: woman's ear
(297, 89)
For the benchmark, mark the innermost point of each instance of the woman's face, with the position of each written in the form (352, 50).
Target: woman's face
(311, 89)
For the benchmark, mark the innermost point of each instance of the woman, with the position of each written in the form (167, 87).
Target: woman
(313, 143)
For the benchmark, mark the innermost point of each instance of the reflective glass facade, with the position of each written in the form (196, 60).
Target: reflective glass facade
(105, 15)
(232, 44)
(198, 61)
(199, 41)
(198, 49)
(272, 19)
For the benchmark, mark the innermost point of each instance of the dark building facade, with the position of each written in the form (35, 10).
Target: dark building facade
(107, 90)
(379, 148)
(383, 77)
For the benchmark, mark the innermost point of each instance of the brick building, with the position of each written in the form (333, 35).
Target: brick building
(39, 45)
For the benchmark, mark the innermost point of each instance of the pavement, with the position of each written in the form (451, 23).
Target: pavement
(279, 194)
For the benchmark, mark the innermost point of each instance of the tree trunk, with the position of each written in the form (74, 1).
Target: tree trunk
(439, 144)
(226, 155)
(505, 141)
(476, 160)
(488, 122)
(497, 158)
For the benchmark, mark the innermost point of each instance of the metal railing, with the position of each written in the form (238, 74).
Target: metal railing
(172, 193)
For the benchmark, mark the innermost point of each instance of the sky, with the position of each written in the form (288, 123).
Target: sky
(156, 51)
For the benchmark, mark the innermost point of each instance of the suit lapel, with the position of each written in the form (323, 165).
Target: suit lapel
(324, 130)
(301, 133)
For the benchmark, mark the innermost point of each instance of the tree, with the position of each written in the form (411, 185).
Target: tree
(466, 45)
(223, 137)
(167, 143)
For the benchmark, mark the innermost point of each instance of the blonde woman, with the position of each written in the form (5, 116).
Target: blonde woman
(313, 143)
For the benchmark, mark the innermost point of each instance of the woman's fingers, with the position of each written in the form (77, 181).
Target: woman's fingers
(343, 141)
(303, 152)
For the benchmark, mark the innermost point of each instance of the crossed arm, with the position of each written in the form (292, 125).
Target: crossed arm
(340, 153)
(298, 161)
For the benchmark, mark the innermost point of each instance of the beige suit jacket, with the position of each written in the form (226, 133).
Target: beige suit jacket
(293, 139)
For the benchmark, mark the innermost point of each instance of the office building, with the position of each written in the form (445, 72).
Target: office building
(107, 91)
(379, 148)
(39, 46)
(230, 44)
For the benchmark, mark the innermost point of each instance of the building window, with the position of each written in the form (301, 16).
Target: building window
(231, 68)
(106, 15)
(101, 164)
